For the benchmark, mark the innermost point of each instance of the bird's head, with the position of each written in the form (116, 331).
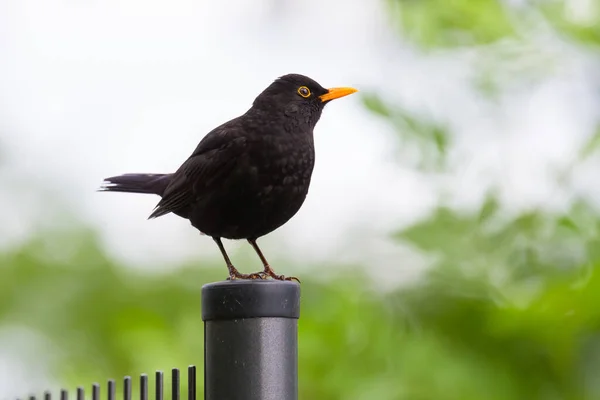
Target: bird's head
(298, 96)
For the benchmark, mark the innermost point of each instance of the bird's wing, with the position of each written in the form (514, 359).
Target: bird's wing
(209, 164)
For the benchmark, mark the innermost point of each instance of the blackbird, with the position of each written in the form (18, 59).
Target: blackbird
(250, 175)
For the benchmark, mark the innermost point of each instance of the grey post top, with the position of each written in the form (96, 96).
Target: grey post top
(236, 299)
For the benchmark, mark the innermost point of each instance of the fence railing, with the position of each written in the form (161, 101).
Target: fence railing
(127, 388)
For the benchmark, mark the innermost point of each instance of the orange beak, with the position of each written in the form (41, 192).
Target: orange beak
(336, 93)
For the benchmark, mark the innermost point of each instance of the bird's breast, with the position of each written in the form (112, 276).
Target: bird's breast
(285, 163)
(266, 188)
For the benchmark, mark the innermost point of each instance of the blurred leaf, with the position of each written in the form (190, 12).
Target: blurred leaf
(441, 139)
(431, 139)
(375, 104)
(591, 146)
(536, 344)
(568, 223)
(489, 209)
(579, 21)
(438, 23)
(486, 81)
(503, 251)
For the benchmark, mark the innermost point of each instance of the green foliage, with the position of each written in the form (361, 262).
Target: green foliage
(430, 138)
(528, 331)
(487, 244)
(508, 308)
(516, 298)
(458, 23)
(438, 23)
(102, 321)
(592, 145)
(582, 26)
(504, 44)
(535, 349)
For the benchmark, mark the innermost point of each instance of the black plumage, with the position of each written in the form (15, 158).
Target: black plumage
(250, 175)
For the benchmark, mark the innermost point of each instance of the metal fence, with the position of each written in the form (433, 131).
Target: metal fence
(127, 388)
(250, 348)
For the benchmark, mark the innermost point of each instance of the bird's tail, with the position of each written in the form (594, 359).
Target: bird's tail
(137, 183)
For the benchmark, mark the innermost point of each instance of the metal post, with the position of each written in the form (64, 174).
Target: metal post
(251, 340)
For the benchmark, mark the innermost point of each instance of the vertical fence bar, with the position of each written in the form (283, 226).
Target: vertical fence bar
(127, 388)
(47, 395)
(175, 384)
(158, 394)
(80, 393)
(111, 389)
(143, 387)
(96, 391)
(64, 395)
(251, 340)
(192, 382)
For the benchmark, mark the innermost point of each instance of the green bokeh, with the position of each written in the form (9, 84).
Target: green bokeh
(509, 307)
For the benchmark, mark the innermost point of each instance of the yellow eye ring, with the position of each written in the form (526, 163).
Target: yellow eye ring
(304, 91)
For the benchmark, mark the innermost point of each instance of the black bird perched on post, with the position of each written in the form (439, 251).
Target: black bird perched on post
(250, 175)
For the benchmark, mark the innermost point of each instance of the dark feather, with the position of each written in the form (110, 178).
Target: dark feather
(204, 171)
(136, 183)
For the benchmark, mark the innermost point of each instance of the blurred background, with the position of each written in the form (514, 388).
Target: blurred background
(449, 247)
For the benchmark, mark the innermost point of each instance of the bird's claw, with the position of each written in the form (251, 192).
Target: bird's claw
(267, 273)
(262, 276)
(253, 276)
(285, 278)
(259, 275)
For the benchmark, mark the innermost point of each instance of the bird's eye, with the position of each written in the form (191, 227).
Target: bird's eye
(303, 91)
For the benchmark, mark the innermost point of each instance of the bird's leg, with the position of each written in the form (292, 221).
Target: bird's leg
(268, 270)
(233, 272)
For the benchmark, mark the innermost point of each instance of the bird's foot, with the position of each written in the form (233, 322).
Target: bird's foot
(269, 272)
(235, 274)
(288, 278)
(258, 275)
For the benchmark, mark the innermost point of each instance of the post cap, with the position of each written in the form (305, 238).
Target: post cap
(236, 299)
